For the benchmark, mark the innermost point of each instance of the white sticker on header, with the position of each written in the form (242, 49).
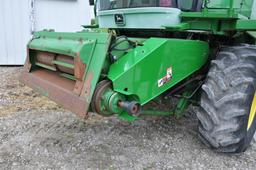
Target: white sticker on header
(166, 78)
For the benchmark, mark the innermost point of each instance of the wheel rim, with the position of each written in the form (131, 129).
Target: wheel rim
(252, 112)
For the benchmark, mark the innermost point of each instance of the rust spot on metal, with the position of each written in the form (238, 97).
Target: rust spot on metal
(81, 40)
(96, 103)
(79, 68)
(79, 74)
(65, 59)
(27, 65)
(87, 85)
(45, 57)
(63, 91)
(57, 88)
(78, 87)
(48, 59)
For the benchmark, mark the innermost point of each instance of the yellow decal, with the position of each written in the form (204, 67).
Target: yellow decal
(252, 112)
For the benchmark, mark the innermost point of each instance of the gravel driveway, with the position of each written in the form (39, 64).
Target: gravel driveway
(37, 134)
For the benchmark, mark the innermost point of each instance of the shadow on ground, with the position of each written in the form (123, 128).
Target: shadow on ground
(37, 134)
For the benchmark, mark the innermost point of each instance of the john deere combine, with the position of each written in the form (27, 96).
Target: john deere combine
(155, 57)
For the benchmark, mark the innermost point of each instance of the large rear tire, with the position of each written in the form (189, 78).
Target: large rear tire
(226, 114)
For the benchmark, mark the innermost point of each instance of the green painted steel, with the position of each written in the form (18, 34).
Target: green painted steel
(215, 22)
(67, 65)
(126, 117)
(91, 46)
(68, 76)
(246, 25)
(69, 44)
(220, 17)
(147, 18)
(96, 64)
(45, 66)
(243, 7)
(139, 72)
(216, 16)
(142, 68)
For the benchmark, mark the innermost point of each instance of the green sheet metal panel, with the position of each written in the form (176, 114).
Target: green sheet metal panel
(95, 66)
(249, 25)
(224, 4)
(243, 7)
(67, 43)
(139, 72)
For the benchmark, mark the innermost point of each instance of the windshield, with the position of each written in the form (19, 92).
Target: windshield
(117, 4)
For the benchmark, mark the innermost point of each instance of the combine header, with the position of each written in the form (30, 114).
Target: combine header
(156, 57)
(66, 66)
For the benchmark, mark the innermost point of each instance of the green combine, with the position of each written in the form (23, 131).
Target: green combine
(156, 57)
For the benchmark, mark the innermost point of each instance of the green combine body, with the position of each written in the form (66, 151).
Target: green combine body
(156, 57)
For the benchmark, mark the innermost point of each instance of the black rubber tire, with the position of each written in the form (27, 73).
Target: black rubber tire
(226, 100)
